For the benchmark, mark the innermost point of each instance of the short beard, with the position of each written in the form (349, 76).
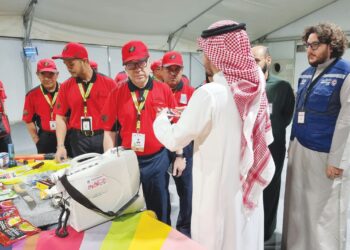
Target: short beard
(264, 68)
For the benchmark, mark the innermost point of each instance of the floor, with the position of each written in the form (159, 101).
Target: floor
(24, 144)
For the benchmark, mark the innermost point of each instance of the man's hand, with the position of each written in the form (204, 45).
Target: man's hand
(61, 153)
(35, 139)
(333, 172)
(179, 166)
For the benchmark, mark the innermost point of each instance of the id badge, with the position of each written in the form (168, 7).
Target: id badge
(270, 108)
(86, 123)
(301, 117)
(53, 125)
(138, 142)
(183, 99)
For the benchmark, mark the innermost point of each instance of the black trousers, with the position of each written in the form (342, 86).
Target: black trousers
(48, 142)
(184, 190)
(271, 193)
(4, 141)
(81, 144)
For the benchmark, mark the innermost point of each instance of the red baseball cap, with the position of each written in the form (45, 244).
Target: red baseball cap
(172, 58)
(73, 51)
(156, 64)
(93, 64)
(46, 65)
(133, 51)
(121, 77)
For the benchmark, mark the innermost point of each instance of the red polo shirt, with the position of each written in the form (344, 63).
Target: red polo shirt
(120, 106)
(2, 96)
(70, 98)
(37, 109)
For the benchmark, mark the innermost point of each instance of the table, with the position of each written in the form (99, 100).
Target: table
(42, 215)
(140, 231)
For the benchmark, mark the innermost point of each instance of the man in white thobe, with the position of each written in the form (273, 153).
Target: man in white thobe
(317, 188)
(213, 119)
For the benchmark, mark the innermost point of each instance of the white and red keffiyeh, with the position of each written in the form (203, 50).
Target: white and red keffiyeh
(231, 53)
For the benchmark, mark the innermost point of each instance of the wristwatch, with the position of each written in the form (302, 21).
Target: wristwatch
(180, 155)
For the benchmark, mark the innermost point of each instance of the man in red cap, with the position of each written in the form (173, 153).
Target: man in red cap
(38, 107)
(133, 105)
(84, 95)
(181, 160)
(93, 65)
(5, 129)
(156, 68)
(229, 123)
(121, 77)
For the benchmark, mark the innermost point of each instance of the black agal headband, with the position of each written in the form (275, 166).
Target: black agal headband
(222, 30)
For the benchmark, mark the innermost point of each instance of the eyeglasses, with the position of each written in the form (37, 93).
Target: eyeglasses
(175, 69)
(134, 65)
(313, 45)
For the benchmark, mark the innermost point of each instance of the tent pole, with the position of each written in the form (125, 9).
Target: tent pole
(172, 34)
(27, 23)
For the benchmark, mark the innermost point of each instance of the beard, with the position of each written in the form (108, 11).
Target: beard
(264, 68)
(320, 59)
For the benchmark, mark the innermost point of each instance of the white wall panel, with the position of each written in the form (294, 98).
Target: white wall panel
(12, 75)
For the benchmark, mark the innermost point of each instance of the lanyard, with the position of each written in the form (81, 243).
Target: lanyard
(85, 95)
(50, 102)
(313, 82)
(139, 107)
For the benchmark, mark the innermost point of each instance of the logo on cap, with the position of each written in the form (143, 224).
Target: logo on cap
(46, 64)
(132, 49)
(172, 57)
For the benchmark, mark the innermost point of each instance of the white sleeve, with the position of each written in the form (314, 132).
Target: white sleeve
(339, 155)
(194, 119)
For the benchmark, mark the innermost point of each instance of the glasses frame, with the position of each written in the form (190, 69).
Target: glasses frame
(313, 45)
(135, 65)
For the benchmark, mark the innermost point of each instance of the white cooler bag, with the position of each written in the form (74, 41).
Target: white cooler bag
(99, 187)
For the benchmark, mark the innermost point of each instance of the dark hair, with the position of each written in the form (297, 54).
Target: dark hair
(331, 34)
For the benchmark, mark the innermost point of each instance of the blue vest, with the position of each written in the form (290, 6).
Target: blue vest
(321, 105)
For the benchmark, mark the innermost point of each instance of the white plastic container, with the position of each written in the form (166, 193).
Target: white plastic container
(109, 181)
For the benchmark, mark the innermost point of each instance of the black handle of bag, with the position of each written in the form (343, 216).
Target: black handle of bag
(83, 200)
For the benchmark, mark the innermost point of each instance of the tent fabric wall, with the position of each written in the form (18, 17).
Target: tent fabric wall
(11, 26)
(337, 12)
(47, 30)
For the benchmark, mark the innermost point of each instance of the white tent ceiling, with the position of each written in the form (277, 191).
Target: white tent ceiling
(114, 22)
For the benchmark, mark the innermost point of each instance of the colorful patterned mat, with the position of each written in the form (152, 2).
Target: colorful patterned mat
(141, 231)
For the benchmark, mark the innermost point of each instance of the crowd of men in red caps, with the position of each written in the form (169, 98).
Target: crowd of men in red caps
(90, 112)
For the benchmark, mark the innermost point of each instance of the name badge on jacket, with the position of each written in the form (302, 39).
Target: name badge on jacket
(183, 99)
(138, 142)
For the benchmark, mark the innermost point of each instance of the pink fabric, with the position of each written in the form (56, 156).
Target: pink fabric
(177, 240)
(231, 53)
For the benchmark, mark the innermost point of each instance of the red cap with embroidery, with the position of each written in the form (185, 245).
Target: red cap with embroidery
(134, 51)
(73, 51)
(156, 64)
(46, 65)
(93, 64)
(172, 58)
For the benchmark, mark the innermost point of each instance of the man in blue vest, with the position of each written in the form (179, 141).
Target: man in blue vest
(317, 179)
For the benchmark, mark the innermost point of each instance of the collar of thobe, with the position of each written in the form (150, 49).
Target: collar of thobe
(219, 77)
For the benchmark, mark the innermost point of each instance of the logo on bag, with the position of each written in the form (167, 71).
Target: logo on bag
(334, 82)
(96, 182)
